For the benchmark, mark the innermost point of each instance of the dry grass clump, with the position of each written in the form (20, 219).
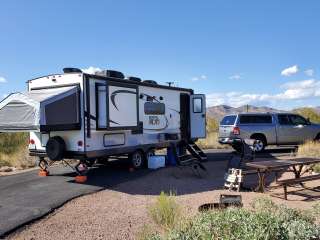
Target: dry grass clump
(165, 211)
(310, 149)
(14, 150)
(211, 141)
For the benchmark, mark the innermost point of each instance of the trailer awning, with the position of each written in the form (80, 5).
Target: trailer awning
(46, 107)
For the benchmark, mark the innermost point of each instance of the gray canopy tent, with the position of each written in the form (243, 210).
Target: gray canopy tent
(41, 110)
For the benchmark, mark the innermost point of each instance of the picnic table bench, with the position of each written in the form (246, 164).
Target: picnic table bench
(265, 167)
(287, 182)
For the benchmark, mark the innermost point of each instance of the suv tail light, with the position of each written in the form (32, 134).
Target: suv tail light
(236, 131)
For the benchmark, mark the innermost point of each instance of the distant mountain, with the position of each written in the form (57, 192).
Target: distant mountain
(317, 109)
(219, 111)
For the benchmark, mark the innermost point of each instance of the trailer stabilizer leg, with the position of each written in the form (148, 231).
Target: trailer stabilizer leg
(81, 178)
(43, 173)
(43, 164)
(82, 169)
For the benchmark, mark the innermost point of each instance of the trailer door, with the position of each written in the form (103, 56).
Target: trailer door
(198, 116)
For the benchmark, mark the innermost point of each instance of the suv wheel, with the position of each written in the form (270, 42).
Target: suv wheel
(260, 144)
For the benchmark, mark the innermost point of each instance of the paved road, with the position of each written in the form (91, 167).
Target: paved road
(26, 197)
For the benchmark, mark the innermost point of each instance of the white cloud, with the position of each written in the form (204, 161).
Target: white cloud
(309, 72)
(290, 71)
(300, 90)
(91, 70)
(3, 80)
(202, 77)
(235, 77)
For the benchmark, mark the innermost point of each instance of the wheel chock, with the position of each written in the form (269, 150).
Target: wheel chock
(43, 173)
(80, 179)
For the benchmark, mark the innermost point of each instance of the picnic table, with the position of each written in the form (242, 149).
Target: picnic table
(265, 167)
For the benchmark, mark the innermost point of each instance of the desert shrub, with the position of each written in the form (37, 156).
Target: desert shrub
(146, 233)
(212, 125)
(211, 141)
(165, 211)
(14, 150)
(12, 142)
(309, 113)
(265, 220)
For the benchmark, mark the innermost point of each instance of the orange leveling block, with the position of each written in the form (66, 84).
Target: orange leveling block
(80, 179)
(43, 173)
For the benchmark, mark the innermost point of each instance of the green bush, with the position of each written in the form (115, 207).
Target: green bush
(266, 221)
(165, 211)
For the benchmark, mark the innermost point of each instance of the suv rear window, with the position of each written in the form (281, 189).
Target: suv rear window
(246, 119)
(228, 120)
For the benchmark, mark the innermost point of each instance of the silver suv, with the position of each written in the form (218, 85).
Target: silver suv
(268, 129)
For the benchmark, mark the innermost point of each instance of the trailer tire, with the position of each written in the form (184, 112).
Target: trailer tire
(55, 148)
(137, 159)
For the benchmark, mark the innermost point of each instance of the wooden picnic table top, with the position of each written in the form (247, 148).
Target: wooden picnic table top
(281, 163)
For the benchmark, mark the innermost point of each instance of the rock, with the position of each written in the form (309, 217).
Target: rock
(6, 169)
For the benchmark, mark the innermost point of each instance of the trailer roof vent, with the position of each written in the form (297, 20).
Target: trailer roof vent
(150, 82)
(111, 73)
(134, 79)
(72, 70)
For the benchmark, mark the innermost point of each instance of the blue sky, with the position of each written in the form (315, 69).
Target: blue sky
(236, 52)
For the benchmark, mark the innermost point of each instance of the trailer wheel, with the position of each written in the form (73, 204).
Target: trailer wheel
(137, 159)
(55, 148)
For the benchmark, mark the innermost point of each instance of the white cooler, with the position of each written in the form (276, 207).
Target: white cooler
(155, 162)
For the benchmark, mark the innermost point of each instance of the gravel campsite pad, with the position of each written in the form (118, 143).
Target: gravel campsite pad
(121, 211)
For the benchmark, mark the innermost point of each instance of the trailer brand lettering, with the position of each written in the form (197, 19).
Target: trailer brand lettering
(154, 120)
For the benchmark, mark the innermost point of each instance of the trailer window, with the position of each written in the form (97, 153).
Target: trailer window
(197, 105)
(101, 104)
(68, 105)
(154, 108)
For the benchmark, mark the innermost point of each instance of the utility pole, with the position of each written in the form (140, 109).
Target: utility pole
(170, 83)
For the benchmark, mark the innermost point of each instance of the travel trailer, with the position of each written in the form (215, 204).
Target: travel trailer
(87, 117)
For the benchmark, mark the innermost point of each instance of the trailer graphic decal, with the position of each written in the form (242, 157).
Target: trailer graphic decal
(114, 94)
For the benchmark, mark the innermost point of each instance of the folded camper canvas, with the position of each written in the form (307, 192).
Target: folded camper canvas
(27, 111)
